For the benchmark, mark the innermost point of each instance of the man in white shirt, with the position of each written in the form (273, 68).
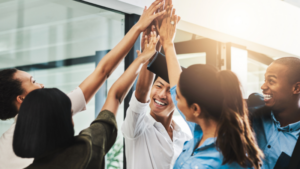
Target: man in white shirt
(153, 141)
(16, 84)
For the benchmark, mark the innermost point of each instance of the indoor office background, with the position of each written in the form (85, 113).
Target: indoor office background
(59, 42)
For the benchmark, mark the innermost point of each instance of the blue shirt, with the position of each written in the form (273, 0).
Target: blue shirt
(275, 141)
(203, 157)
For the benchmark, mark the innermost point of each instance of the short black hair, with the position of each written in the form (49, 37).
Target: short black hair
(293, 65)
(10, 88)
(44, 123)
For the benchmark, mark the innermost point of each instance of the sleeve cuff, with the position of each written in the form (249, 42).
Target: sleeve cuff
(107, 117)
(137, 106)
(77, 100)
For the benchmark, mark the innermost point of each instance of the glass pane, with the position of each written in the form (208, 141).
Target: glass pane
(42, 31)
(255, 75)
(239, 67)
(186, 60)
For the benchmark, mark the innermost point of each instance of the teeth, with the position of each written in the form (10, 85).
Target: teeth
(267, 96)
(160, 103)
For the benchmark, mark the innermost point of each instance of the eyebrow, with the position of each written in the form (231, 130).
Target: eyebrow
(161, 83)
(272, 76)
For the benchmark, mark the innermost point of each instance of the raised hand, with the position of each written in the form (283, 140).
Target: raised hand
(149, 46)
(150, 14)
(167, 29)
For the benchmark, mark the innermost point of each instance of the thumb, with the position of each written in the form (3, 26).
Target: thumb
(138, 52)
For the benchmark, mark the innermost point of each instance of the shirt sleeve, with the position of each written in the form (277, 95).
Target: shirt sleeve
(77, 100)
(102, 133)
(134, 124)
(173, 96)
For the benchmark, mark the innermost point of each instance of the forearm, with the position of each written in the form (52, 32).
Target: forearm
(108, 64)
(144, 84)
(121, 87)
(174, 69)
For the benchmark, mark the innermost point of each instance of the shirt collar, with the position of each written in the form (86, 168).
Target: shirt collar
(291, 127)
(16, 118)
(152, 121)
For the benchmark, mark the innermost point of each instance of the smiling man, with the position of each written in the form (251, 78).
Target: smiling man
(277, 124)
(154, 140)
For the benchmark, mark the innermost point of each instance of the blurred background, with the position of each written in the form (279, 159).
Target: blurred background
(60, 42)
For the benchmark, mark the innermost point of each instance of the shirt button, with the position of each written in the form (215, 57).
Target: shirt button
(269, 146)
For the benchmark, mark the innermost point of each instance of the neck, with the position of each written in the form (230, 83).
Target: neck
(289, 115)
(164, 120)
(209, 128)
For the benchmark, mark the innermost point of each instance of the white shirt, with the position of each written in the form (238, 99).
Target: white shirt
(147, 143)
(8, 159)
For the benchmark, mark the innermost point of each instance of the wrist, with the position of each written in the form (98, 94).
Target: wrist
(167, 45)
(138, 27)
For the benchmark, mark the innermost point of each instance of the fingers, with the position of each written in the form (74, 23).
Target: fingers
(153, 28)
(157, 25)
(138, 52)
(175, 20)
(178, 19)
(158, 14)
(155, 6)
(146, 40)
(157, 39)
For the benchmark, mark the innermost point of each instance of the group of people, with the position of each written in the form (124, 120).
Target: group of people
(226, 132)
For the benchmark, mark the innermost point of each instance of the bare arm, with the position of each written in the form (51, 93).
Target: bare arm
(110, 61)
(121, 87)
(146, 77)
(167, 32)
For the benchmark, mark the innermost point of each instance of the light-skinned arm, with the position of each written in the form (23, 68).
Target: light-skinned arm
(146, 77)
(121, 87)
(167, 32)
(110, 61)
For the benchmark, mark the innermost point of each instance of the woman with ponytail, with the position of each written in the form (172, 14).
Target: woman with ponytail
(211, 103)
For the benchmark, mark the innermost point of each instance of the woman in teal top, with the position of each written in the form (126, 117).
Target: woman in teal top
(211, 101)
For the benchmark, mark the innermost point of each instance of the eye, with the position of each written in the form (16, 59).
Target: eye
(33, 81)
(158, 86)
(271, 81)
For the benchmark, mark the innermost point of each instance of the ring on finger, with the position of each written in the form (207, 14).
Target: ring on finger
(172, 22)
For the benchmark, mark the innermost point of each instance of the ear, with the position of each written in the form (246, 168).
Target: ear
(296, 88)
(20, 99)
(196, 110)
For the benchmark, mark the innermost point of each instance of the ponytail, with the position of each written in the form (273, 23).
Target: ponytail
(235, 137)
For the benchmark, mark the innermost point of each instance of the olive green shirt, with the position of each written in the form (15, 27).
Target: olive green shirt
(88, 149)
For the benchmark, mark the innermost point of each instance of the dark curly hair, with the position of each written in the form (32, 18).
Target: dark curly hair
(10, 88)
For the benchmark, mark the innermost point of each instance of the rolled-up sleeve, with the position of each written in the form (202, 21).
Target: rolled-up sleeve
(134, 124)
(77, 100)
(102, 133)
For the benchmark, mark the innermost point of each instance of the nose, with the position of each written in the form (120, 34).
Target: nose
(162, 94)
(264, 86)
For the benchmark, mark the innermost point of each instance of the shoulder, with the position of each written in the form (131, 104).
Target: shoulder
(261, 112)
(76, 155)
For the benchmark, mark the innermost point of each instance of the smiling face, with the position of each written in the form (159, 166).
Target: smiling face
(277, 90)
(161, 103)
